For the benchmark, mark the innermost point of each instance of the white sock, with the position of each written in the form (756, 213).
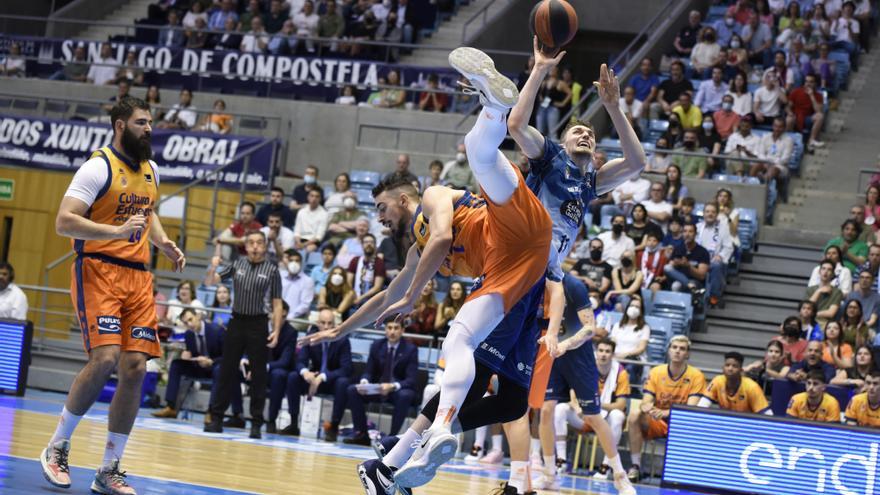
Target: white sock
(550, 465)
(519, 476)
(497, 442)
(480, 437)
(491, 168)
(636, 459)
(535, 448)
(560, 449)
(66, 424)
(115, 447)
(615, 463)
(403, 450)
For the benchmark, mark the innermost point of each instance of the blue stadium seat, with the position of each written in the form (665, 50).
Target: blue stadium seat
(365, 177)
(364, 195)
(206, 294)
(313, 259)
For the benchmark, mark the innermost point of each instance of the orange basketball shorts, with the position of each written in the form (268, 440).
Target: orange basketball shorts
(540, 377)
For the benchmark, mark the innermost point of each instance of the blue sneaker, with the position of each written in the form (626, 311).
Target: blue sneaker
(377, 478)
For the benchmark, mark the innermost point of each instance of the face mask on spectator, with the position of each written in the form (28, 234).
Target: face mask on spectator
(617, 229)
(293, 268)
(689, 144)
(336, 279)
(727, 106)
(309, 179)
(349, 203)
(460, 158)
(633, 312)
(594, 302)
(596, 254)
(708, 125)
(734, 44)
(792, 331)
(626, 262)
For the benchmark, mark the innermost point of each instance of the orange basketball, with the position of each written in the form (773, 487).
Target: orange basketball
(554, 22)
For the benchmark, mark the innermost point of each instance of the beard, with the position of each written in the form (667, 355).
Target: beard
(138, 148)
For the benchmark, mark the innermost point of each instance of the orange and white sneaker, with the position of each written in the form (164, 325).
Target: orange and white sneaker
(111, 481)
(54, 462)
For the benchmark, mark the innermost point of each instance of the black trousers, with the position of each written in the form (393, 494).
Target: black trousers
(246, 334)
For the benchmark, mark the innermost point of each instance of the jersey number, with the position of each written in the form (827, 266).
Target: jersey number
(136, 237)
(563, 243)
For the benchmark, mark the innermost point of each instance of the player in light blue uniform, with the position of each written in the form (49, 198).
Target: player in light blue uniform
(563, 178)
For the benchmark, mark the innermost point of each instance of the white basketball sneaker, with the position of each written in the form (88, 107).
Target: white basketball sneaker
(495, 90)
(623, 485)
(438, 446)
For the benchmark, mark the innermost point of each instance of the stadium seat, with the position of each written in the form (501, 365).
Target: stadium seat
(365, 177)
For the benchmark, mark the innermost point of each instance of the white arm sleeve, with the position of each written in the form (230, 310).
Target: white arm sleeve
(88, 181)
(155, 171)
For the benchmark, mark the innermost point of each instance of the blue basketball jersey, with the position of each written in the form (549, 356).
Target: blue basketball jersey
(565, 192)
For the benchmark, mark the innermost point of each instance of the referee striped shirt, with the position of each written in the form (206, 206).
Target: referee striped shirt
(255, 285)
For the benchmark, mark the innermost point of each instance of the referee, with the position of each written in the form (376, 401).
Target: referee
(255, 279)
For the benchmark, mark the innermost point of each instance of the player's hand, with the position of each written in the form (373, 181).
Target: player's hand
(331, 335)
(272, 341)
(397, 310)
(173, 253)
(544, 61)
(551, 342)
(561, 349)
(131, 227)
(216, 261)
(387, 388)
(608, 87)
(646, 407)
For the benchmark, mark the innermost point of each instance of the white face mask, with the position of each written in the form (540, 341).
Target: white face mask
(460, 157)
(309, 179)
(708, 126)
(336, 279)
(633, 312)
(726, 106)
(293, 268)
(349, 203)
(734, 44)
(594, 302)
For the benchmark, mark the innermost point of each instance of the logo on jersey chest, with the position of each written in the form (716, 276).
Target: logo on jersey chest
(573, 211)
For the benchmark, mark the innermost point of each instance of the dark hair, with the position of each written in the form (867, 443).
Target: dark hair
(736, 356)
(216, 303)
(187, 311)
(577, 122)
(816, 376)
(688, 201)
(607, 341)
(640, 321)
(7, 266)
(347, 179)
(371, 236)
(329, 247)
(777, 344)
(190, 284)
(278, 189)
(293, 253)
(435, 163)
(393, 182)
(640, 207)
(619, 215)
(850, 221)
(874, 373)
(688, 223)
(739, 73)
(655, 233)
(673, 188)
(679, 63)
(125, 107)
(255, 232)
(247, 203)
(845, 318)
(827, 261)
(276, 214)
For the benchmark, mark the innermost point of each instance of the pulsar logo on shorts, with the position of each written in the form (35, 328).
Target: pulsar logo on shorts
(478, 282)
(143, 333)
(109, 325)
(491, 350)
(572, 211)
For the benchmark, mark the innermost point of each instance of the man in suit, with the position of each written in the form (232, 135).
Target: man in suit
(393, 365)
(204, 349)
(322, 368)
(282, 360)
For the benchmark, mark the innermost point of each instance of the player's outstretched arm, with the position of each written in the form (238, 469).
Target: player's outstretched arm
(585, 334)
(527, 137)
(71, 222)
(619, 170)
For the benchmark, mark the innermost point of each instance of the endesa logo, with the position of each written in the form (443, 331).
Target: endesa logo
(109, 325)
(143, 333)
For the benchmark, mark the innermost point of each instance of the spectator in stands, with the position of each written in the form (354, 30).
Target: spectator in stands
(662, 390)
(627, 195)
(659, 161)
(864, 408)
(691, 166)
(335, 202)
(626, 282)
(805, 110)
(366, 273)
(185, 295)
(814, 404)
(197, 37)
(810, 328)
(254, 9)
(726, 28)
(196, 11)
(854, 251)
(690, 115)
(825, 296)
(629, 105)
(742, 144)
(856, 375)
(741, 11)
(812, 362)
(772, 367)
(855, 330)
(631, 335)
(687, 37)
(733, 391)
(257, 39)
(842, 276)
(737, 58)
(758, 39)
(577, 90)
(776, 147)
(154, 99)
(353, 246)
(320, 273)
(344, 225)
(306, 23)
(222, 300)
(690, 263)
(645, 84)
(867, 296)
(435, 173)
(674, 131)
(276, 18)
(392, 97)
(857, 213)
(615, 242)
(218, 121)
(403, 171)
(13, 303)
(171, 36)
(278, 237)
(235, 234)
(770, 99)
(103, 68)
(201, 359)
(229, 39)
(675, 190)
(130, 71)
(331, 25)
(825, 68)
(182, 115)
(284, 41)
(845, 33)
(673, 237)
(554, 97)
(706, 54)
(794, 346)
(714, 236)
(659, 210)
(424, 314)
(792, 21)
(122, 91)
(686, 211)
(458, 174)
(464, 103)
(348, 96)
(433, 101)
(390, 375)
(785, 77)
(322, 368)
(311, 223)
(76, 69)
(297, 289)
(670, 90)
(337, 294)
(593, 271)
(639, 226)
(835, 351)
(217, 19)
(865, 15)
(728, 213)
(742, 99)
(449, 307)
(276, 205)
(651, 262)
(711, 92)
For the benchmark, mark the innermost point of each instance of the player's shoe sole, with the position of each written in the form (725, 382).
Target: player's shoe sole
(420, 471)
(480, 70)
(47, 472)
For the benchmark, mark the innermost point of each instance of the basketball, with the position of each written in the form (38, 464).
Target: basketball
(554, 22)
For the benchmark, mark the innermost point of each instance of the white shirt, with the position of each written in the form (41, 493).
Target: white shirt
(777, 150)
(311, 225)
(716, 239)
(250, 42)
(614, 248)
(102, 74)
(346, 100)
(91, 178)
(639, 188)
(659, 207)
(13, 303)
(285, 235)
(842, 278)
(832, 7)
(628, 339)
(189, 20)
(767, 101)
(187, 115)
(751, 143)
(306, 25)
(742, 104)
(634, 109)
(839, 31)
(704, 54)
(298, 292)
(173, 314)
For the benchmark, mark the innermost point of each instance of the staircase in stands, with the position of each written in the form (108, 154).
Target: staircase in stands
(126, 14)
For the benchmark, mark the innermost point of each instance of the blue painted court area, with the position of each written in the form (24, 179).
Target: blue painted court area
(23, 477)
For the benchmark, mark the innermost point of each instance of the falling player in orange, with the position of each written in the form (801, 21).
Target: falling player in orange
(109, 213)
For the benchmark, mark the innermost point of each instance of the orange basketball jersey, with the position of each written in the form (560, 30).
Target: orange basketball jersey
(466, 255)
(130, 190)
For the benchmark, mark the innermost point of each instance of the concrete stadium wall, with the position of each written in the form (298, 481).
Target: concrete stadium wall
(81, 9)
(621, 16)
